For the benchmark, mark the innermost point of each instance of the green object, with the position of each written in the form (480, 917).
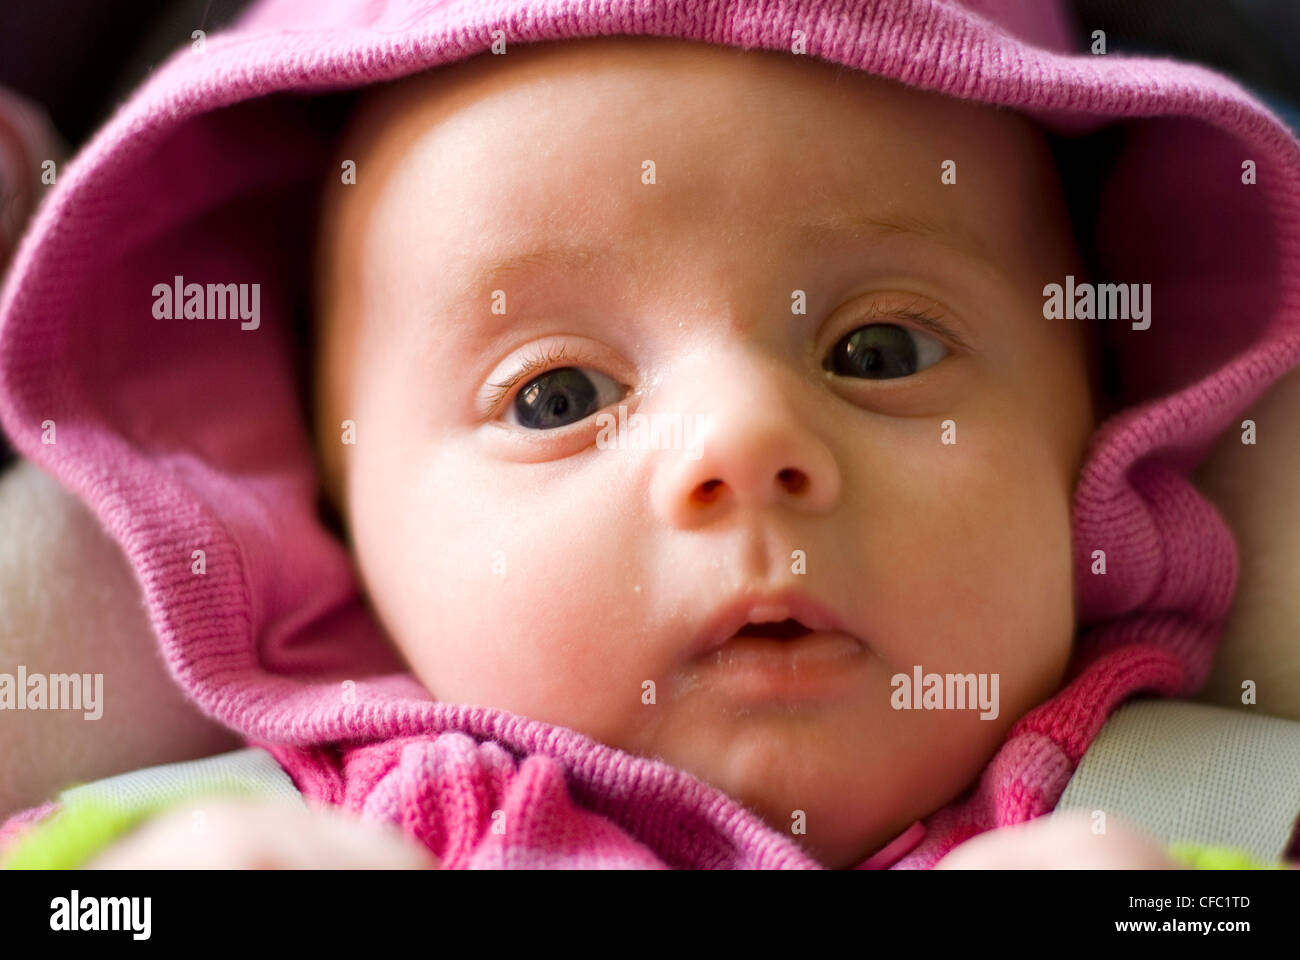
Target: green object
(84, 826)
(1202, 856)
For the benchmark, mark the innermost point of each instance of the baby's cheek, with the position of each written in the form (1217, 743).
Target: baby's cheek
(508, 599)
(1029, 627)
(981, 578)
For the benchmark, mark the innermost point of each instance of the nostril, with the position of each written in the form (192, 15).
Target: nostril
(793, 480)
(707, 491)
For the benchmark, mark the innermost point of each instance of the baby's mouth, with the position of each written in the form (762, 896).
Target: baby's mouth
(786, 663)
(780, 622)
(785, 649)
(788, 629)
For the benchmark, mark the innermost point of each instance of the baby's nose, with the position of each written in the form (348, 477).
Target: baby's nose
(752, 451)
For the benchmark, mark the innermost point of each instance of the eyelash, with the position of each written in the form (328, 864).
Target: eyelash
(542, 361)
(536, 363)
(929, 319)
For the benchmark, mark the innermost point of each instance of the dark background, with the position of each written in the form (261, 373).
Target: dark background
(81, 58)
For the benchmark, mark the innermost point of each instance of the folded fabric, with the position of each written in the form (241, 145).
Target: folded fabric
(185, 437)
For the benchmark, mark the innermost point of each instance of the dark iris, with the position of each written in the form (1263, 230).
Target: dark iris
(877, 351)
(555, 399)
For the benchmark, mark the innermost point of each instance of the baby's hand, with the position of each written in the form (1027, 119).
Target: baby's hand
(1065, 842)
(228, 834)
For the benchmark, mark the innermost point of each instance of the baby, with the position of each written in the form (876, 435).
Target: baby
(510, 263)
(526, 252)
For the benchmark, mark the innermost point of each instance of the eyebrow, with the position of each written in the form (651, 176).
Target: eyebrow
(816, 231)
(573, 257)
(810, 233)
(819, 231)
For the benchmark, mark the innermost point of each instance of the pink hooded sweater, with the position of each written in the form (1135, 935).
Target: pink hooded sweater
(185, 436)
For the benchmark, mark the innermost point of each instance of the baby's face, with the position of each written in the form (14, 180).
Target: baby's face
(762, 248)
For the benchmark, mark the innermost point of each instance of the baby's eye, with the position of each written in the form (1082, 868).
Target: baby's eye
(882, 351)
(563, 396)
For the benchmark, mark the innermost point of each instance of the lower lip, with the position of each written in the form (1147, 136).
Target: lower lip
(814, 666)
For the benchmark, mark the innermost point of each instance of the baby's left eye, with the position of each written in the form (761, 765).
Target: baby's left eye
(883, 351)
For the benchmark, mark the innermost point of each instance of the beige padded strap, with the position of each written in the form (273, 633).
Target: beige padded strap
(250, 770)
(1197, 773)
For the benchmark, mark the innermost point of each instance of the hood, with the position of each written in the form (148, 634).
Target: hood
(190, 443)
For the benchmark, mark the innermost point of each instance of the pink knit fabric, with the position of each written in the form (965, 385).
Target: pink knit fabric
(17, 825)
(187, 436)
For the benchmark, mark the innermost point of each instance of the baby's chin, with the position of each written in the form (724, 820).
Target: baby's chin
(815, 777)
(841, 774)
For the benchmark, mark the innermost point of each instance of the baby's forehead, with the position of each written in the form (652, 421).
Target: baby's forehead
(521, 105)
(611, 156)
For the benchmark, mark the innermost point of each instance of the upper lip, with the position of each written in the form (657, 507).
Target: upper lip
(766, 607)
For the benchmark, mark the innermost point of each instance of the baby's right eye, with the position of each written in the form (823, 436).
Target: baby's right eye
(562, 396)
